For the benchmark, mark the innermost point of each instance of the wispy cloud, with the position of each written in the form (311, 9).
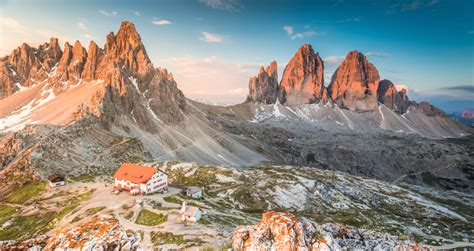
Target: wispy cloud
(377, 54)
(13, 25)
(301, 35)
(349, 20)
(136, 13)
(463, 88)
(211, 38)
(289, 29)
(229, 5)
(82, 26)
(158, 21)
(108, 13)
(333, 60)
(89, 36)
(413, 5)
(470, 32)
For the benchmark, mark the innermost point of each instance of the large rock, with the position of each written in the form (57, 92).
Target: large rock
(284, 231)
(395, 100)
(278, 231)
(354, 84)
(263, 88)
(303, 80)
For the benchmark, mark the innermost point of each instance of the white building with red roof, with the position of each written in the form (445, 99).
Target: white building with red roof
(146, 179)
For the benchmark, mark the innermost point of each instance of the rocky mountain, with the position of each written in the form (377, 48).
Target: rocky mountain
(303, 81)
(388, 95)
(354, 84)
(263, 88)
(90, 100)
(108, 83)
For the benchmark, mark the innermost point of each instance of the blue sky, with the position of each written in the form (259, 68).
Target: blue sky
(214, 46)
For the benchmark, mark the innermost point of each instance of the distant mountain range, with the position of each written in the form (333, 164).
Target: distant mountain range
(82, 97)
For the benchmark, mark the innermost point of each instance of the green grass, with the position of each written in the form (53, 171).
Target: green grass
(160, 238)
(94, 210)
(22, 193)
(173, 199)
(25, 227)
(149, 218)
(6, 212)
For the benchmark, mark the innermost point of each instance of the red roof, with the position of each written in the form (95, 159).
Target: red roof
(134, 173)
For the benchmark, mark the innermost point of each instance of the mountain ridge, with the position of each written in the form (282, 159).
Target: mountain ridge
(130, 98)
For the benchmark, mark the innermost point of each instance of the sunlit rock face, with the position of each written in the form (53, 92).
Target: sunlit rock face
(354, 84)
(303, 81)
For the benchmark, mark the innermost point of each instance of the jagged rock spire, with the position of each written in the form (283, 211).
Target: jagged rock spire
(355, 82)
(263, 88)
(303, 78)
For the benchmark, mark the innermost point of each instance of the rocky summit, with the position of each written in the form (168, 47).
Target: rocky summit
(303, 81)
(116, 81)
(393, 99)
(354, 83)
(263, 88)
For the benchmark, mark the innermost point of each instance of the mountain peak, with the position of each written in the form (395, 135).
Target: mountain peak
(263, 88)
(127, 50)
(303, 81)
(354, 84)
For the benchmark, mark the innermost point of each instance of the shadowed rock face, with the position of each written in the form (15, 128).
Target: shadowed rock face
(388, 95)
(263, 88)
(354, 84)
(303, 80)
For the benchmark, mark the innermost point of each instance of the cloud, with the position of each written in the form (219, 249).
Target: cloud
(136, 13)
(82, 26)
(211, 79)
(288, 29)
(470, 32)
(413, 5)
(229, 5)
(400, 87)
(88, 36)
(13, 25)
(157, 21)
(348, 20)
(108, 14)
(211, 38)
(333, 60)
(462, 88)
(377, 54)
(305, 34)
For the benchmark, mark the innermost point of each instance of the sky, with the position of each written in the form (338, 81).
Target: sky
(213, 47)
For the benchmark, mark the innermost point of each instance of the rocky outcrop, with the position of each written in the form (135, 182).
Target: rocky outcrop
(428, 109)
(303, 81)
(277, 231)
(354, 84)
(395, 100)
(284, 231)
(101, 233)
(263, 88)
